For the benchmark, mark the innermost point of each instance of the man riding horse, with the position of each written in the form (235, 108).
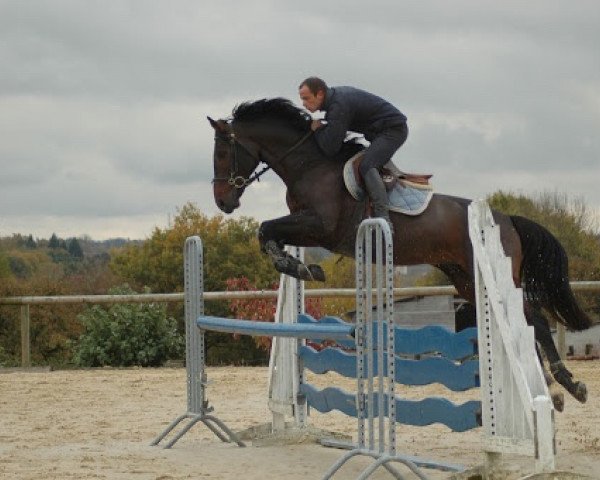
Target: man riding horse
(324, 213)
(352, 109)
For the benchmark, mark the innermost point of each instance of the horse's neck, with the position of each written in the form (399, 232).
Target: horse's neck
(291, 166)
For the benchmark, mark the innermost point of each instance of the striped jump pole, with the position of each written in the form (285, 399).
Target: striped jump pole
(375, 402)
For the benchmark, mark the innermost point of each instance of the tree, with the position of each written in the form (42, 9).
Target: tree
(53, 242)
(25, 263)
(5, 270)
(567, 220)
(74, 249)
(339, 273)
(230, 246)
(30, 243)
(263, 309)
(571, 223)
(47, 271)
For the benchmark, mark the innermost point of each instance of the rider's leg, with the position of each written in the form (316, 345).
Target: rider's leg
(378, 154)
(378, 195)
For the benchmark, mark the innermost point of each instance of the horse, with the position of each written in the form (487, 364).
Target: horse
(276, 133)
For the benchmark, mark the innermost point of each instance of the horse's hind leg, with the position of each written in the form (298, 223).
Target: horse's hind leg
(544, 337)
(558, 399)
(465, 287)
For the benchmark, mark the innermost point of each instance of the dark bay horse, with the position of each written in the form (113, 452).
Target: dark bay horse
(324, 214)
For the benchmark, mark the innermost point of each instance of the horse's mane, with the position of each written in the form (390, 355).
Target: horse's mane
(282, 110)
(274, 109)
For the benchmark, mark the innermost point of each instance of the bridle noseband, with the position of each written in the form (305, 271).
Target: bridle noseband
(238, 181)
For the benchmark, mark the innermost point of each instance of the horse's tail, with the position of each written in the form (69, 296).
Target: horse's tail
(545, 276)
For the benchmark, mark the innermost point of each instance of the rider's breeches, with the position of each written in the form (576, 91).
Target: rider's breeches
(382, 147)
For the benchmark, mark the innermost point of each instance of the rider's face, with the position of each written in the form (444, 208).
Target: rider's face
(311, 101)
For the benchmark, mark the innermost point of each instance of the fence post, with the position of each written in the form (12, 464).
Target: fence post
(25, 343)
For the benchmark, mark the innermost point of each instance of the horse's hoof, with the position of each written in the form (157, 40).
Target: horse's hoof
(558, 400)
(304, 273)
(580, 392)
(317, 272)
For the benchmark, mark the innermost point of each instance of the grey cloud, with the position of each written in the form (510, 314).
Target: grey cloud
(103, 105)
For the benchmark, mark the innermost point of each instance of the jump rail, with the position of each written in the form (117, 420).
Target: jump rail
(257, 329)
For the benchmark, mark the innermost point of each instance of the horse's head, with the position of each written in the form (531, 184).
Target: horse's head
(266, 130)
(234, 160)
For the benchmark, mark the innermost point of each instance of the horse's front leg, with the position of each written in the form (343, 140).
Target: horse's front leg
(300, 230)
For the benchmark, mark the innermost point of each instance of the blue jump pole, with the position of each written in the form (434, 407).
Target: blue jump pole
(293, 330)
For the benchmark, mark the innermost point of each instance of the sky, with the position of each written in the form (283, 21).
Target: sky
(103, 105)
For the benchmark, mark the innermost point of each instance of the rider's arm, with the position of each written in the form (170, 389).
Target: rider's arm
(330, 136)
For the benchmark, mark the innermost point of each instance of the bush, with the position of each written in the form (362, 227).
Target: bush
(6, 360)
(127, 334)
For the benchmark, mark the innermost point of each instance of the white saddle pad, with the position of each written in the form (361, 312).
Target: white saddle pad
(406, 197)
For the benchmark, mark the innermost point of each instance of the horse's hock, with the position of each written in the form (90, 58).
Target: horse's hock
(515, 409)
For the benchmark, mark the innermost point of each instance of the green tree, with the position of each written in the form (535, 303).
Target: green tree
(53, 242)
(30, 243)
(74, 249)
(230, 246)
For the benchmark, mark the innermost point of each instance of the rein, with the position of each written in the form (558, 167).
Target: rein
(239, 181)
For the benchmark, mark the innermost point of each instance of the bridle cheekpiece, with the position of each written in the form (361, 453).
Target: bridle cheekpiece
(239, 181)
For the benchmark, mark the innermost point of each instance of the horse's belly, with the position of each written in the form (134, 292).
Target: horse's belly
(440, 235)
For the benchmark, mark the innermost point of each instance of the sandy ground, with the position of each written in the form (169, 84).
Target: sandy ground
(98, 424)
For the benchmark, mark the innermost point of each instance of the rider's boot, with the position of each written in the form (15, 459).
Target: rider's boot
(378, 195)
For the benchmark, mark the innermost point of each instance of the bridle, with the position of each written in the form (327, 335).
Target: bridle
(238, 181)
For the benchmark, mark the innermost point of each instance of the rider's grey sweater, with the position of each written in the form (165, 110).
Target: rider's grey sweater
(352, 109)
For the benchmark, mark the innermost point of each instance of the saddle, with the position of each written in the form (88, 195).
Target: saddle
(408, 193)
(392, 175)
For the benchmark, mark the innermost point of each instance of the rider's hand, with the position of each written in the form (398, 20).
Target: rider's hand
(315, 124)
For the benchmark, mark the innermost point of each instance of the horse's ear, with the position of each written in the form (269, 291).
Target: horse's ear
(213, 123)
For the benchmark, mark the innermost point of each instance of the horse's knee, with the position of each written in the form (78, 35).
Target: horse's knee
(265, 234)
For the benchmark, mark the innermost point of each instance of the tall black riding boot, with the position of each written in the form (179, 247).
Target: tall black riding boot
(378, 195)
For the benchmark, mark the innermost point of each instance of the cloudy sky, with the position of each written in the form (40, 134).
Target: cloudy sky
(103, 105)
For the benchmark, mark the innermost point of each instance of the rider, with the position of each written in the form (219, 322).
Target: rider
(352, 109)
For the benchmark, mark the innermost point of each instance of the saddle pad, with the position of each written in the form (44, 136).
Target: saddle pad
(404, 197)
